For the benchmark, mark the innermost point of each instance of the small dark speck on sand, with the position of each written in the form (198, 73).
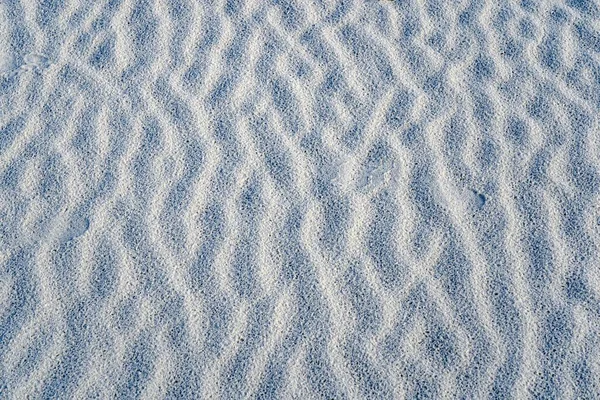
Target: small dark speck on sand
(480, 198)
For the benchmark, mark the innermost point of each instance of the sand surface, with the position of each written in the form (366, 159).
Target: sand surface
(299, 199)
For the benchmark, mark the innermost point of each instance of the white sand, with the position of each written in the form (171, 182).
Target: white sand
(299, 199)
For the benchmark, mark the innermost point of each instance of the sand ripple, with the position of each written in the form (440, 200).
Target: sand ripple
(362, 199)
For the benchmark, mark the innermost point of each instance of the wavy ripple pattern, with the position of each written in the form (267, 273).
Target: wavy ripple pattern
(350, 199)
